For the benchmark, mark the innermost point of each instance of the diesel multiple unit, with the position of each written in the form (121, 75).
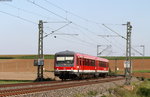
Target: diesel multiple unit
(71, 65)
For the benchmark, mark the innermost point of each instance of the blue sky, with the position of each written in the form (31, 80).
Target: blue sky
(18, 36)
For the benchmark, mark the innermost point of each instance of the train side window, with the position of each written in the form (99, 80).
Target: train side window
(107, 65)
(102, 64)
(93, 63)
(80, 61)
(77, 61)
(88, 64)
(83, 61)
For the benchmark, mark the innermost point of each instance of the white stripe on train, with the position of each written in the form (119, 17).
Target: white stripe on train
(84, 71)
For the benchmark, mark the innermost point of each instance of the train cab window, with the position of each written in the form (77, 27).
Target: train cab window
(62, 61)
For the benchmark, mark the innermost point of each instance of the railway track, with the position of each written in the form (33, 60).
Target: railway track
(47, 86)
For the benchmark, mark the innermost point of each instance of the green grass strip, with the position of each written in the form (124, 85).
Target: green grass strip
(24, 56)
(123, 58)
(14, 81)
(141, 71)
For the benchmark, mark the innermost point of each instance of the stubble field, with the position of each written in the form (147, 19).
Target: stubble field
(23, 69)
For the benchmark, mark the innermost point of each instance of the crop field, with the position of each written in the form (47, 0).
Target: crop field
(24, 56)
(21, 67)
(123, 58)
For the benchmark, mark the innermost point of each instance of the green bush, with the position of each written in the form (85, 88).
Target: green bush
(143, 92)
(92, 93)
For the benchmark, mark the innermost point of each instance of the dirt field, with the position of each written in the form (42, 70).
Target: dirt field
(23, 69)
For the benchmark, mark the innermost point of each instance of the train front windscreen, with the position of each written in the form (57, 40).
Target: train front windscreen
(64, 61)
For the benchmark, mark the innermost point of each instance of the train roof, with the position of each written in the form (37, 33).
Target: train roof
(67, 52)
(92, 57)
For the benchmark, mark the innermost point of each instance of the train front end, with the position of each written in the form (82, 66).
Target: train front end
(64, 65)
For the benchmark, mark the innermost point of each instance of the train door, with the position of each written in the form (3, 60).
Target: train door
(96, 68)
(96, 62)
(81, 65)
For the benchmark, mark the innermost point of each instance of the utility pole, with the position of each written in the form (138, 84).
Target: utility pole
(40, 51)
(39, 62)
(128, 55)
(127, 64)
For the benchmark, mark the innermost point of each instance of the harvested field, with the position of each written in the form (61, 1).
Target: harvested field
(137, 65)
(145, 75)
(23, 69)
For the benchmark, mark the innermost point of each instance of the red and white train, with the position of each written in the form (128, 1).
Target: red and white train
(71, 65)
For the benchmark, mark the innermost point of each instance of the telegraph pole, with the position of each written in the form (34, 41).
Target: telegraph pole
(128, 55)
(127, 64)
(39, 62)
(40, 51)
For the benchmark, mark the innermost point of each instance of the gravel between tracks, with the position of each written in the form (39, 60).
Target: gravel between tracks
(101, 88)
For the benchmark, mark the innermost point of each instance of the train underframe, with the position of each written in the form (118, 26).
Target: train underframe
(79, 75)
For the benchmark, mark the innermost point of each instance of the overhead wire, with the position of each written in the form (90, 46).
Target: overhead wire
(52, 13)
(121, 37)
(39, 15)
(80, 18)
(30, 12)
(114, 32)
(115, 41)
(82, 40)
(85, 34)
(58, 29)
(47, 10)
(78, 42)
(77, 38)
(112, 43)
(87, 20)
(61, 17)
(18, 17)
